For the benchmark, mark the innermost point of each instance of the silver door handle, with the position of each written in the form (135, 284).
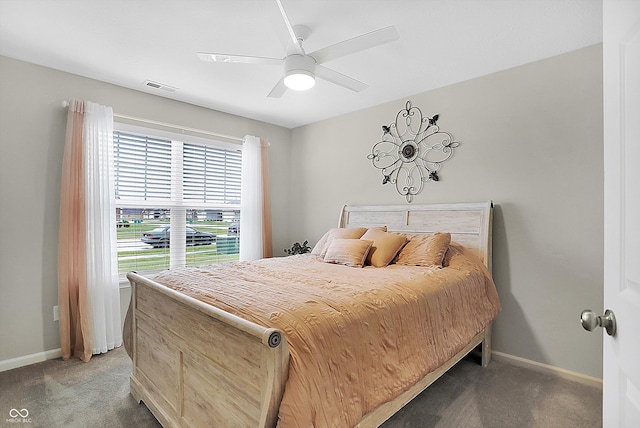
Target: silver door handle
(590, 320)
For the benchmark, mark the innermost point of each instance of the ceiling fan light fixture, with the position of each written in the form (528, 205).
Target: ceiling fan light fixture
(299, 80)
(299, 73)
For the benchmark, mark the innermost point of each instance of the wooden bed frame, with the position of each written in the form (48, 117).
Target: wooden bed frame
(196, 365)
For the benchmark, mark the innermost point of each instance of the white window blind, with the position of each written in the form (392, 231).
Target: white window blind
(211, 175)
(177, 194)
(142, 168)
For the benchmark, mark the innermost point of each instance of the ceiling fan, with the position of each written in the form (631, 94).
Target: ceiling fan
(301, 68)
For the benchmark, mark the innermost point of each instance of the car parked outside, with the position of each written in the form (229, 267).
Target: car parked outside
(234, 229)
(160, 237)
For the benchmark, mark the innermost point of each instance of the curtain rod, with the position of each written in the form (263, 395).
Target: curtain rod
(65, 104)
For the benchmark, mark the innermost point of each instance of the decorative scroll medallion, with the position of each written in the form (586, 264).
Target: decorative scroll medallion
(411, 151)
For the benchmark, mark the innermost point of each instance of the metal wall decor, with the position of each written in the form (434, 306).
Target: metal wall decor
(411, 151)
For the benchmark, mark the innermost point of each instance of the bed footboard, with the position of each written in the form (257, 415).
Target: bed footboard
(194, 365)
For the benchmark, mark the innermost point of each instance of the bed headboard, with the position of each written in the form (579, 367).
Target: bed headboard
(468, 223)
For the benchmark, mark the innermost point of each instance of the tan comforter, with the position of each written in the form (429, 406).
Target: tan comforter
(357, 337)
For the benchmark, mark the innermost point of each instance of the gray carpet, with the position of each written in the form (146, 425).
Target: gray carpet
(71, 393)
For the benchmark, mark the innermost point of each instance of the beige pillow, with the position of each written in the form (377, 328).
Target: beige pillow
(385, 246)
(337, 233)
(350, 252)
(319, 247)
(425, 250)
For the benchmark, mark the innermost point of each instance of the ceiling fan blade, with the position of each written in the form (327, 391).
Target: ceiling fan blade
(278, 90)
(217, 57)
(356, 44)
(294, 39)
(339, 79)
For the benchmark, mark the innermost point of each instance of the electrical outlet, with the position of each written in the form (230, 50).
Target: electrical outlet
(56, 313)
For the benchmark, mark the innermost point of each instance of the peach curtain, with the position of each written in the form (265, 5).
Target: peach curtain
(75, 322)
(255, 207)
(267, 247)
(88, 289)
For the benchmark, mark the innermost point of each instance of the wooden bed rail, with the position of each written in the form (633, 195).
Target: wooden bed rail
(182, 370)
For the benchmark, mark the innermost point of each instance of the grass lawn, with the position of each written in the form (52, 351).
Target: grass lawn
(158, 258)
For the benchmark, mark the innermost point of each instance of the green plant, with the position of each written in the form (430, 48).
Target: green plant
(298, 248)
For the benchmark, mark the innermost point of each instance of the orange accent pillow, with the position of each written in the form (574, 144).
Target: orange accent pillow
(385, 246)
(425, 250)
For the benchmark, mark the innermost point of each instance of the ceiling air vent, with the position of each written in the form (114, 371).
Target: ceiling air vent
(156, 85)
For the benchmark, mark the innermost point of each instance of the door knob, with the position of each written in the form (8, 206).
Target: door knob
(590, 320)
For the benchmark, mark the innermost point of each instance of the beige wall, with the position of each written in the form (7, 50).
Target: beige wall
(531, 140)
(32, 131)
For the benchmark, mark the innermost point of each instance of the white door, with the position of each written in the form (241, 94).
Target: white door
(621, 36)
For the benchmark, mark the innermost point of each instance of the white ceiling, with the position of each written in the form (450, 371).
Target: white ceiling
(126, 42)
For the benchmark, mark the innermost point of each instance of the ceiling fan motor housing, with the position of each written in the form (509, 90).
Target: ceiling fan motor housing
(299, 71)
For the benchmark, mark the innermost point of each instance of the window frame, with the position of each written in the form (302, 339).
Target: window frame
(177, 206)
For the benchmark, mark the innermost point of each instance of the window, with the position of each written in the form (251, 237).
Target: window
(176, 198)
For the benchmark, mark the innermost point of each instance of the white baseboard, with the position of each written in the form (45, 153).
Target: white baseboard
(546, 368)
(26, 360)
(512, 359)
